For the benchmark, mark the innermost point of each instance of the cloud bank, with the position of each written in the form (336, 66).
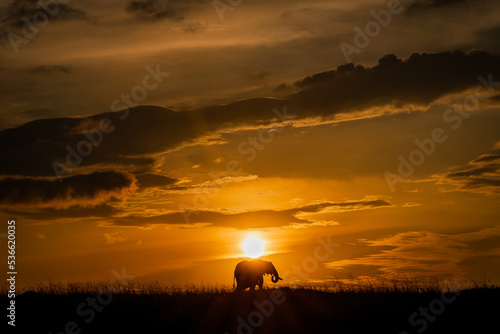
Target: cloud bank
(133, 138)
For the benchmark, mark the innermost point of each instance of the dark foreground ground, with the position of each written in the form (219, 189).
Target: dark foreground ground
(267, 311)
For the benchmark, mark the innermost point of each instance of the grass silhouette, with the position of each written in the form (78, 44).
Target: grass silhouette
(337, 306)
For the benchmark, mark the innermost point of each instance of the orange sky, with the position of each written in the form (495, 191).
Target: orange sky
(254, 124)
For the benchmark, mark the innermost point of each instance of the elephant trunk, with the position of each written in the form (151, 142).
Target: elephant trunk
(275, 277)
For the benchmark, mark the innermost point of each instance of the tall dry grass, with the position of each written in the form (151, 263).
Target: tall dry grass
(334, 285)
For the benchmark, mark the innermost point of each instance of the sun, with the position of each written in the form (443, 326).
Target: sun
(253, 246)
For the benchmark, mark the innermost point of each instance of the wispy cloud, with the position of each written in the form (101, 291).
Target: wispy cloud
(481, 175)
(113, 238)
(302, 216)
(424, 253)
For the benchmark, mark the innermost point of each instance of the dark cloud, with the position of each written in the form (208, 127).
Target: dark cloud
(420, 79)
(154, 180)
(483, 183)
(474, 171)
(343, 206)
(251, 219)
(155, 10)
(47, 141)
(33, 148)
(487, 158)
(258, 219)
(481, 175)
(131, 138)
(82, 190)
(53, 214)
(20, 10)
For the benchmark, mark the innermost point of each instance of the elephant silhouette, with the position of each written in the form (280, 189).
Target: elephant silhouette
(248, 274)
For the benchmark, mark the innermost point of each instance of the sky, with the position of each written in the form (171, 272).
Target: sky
(355, 138)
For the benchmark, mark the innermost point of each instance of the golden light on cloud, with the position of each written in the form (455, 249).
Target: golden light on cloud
(253, 246)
